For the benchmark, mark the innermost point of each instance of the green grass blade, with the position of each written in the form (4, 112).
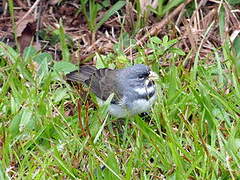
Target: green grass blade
(110, 12)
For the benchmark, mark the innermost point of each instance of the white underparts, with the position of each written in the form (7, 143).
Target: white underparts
(135, 107)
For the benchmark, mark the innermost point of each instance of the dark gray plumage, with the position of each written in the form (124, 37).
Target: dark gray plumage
(102, 82)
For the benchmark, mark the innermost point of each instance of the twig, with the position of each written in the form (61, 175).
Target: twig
(29, 11)
(156, 28)
(87, 119)
(79, 117)
(39, 18)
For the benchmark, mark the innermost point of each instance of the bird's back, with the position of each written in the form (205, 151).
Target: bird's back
(102, 82)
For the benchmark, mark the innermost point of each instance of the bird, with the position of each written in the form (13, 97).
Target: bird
(133, 88)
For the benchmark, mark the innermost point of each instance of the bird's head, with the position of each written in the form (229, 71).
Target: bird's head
(137, 76)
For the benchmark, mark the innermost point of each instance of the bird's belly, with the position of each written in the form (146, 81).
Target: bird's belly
(135, 107)
(142, 105)
(116, 110)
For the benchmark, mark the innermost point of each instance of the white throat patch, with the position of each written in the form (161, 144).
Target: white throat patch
(145, 90)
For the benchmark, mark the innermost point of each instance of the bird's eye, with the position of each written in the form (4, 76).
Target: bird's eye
(142, 76)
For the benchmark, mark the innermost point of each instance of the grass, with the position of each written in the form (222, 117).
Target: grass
(192, 132)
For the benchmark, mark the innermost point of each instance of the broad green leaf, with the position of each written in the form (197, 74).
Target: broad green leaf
(27, 120)
(156, 40)
(28, 53)
(14, 125)
(165, 39)
(43, 70)
(236, 45)
(63, 66)
(9, 52)
(40, 57)
(178, 51)
(100, 61)
(60, 94)
(170, 5)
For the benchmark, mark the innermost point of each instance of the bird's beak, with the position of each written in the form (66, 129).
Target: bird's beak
(152, 76)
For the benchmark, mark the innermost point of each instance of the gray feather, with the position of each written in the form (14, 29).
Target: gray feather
(102, 82)
(81, 75)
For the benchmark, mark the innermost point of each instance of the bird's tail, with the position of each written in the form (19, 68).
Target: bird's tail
(82, 74)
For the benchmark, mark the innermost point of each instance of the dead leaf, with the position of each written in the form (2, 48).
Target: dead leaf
(53, 2)
(21, 4)
(130, 16)
(69, 109)
(25, 31)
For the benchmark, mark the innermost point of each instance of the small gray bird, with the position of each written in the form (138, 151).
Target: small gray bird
(133, 87)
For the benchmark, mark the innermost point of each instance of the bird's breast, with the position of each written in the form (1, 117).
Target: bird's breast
(142, 105)
(146, 90)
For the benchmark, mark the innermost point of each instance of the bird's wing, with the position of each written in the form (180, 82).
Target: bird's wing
(103, 83)
(81, 75)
